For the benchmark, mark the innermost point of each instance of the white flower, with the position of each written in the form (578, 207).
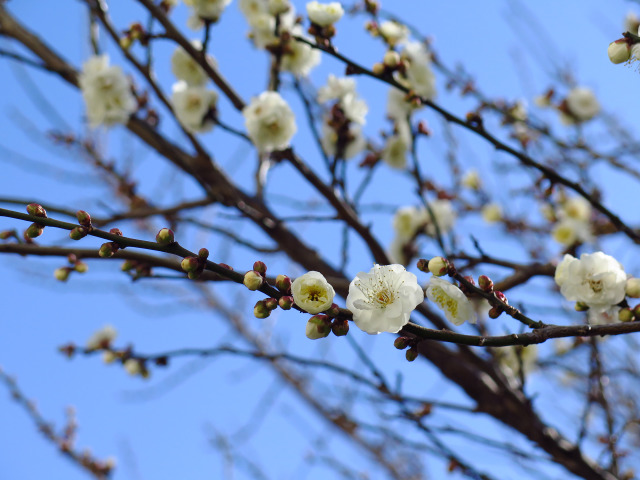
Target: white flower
(383, 299)
(393, 32)
(102, 338)
(444, 215)
(517, 358)
(329, 141)
(631, 22)
(192, 106)
(262, 30)
(299, 58)
(419, 75)
(582, 104)
(471, 180)
(569, 231)
(577, 208)
(252, 8)
(106, 91)
(354, 108)
(278, 7)
(597, 280)
(397, 107)
(312, 292)
(336, 88)
(184, 67)
(456, 306)
(395, 150)
(133, 366)
(492, 213)
(207, 9)
(324, 14)
(407, 221)
(270, 122)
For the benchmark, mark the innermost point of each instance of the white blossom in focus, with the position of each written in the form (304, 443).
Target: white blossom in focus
(192, 104)
(102, 338)
(382, 299)
(270, 122)
(184, 67)
(582, 105)
(596, 279)
(450, 299)
(312, 293)
(106, 92)
(324, 14)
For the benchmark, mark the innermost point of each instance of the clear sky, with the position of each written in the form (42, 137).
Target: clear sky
(165, 427)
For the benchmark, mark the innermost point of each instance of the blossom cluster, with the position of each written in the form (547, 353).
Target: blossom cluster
(106, 92)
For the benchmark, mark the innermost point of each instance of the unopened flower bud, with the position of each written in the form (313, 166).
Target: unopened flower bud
(78, 233)
(127, 265)
(133, 366)
(126, 42)
(286, 302)
(34, 230)
(636, 312)
(495, 312)
(411, 354)
(62, 274)
(6, 234)
(109, 357)
(189, 264)
(625, 315)
(391, 59)
(106, 250)
(260, 310)
(340, 327)
(116, 231)
(378, 68)
(36, 210)
(632, 288)
(438, 266)
(203, 254)
(318, 326)
(83, 218)
(253, 280)
(502, 297)
(485, 283)
(271, 303)
(165, 237)
(423, 265)
(81, 267)
(260, 267)
(619, 51)
(581, 307)
(333, 310)
(283, 283)
(401, 343)
(193, 275)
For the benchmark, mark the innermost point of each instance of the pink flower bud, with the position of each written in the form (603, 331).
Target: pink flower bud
(411, 354)
(318, 327)
(189, 264)
(78, 233)
(106, 250)
(271, 303)
(286, 302)
(340, 327)
(260, 267)
(485, 283)
(36, 210)
(260, 310)
(401, 343)
(203, 254)
(283, 283)
(34, 230)
(83, 218)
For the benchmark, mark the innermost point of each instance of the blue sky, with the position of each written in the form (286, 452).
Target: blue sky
(162, 428)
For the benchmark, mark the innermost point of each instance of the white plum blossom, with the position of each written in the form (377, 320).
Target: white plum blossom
(278, 7)
(299, 58)
(252, 8)
(312, 293)
(262, 30)
(631, 22)
(407, 221)
(270, 122)
(492, 213)
(324, 14)
(398, 145)
(336, 88)
(102, 338)
(383, 299)
(209, 10)
(517, 359)
(397, 107)
(393, 32)
(450, 299)
(569, 231)
(582, 105)
(106, 92)
(471, 180)
(184, 67)
(193, 105)
(419, 75)
(596, 280)
(577, 208)
(444, 216)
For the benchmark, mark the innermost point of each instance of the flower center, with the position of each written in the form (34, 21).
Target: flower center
(378, 291)
(444, 301)
(315, 294)
(596, 285)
